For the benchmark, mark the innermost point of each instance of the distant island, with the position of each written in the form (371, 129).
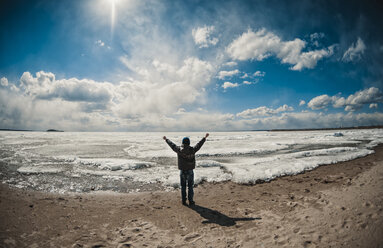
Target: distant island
(54, 130)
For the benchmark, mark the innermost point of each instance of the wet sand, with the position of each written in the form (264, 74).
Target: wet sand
(338, 205)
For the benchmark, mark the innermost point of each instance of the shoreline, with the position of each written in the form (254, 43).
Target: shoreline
(332, 205)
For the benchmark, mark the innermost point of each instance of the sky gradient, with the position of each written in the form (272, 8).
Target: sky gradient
(129, 65)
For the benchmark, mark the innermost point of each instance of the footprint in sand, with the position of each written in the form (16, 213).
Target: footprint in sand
(98, 246)
(363, 225)
(368, 204)
(124, 245)
(192, 237)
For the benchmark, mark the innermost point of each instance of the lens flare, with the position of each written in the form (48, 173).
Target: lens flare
(112, 15)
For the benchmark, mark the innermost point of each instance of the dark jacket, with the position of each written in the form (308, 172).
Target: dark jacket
(186, 154)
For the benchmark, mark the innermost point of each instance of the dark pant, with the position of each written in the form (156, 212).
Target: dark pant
(187, 176)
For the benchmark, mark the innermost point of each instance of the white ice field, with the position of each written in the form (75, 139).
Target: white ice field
(127, 162)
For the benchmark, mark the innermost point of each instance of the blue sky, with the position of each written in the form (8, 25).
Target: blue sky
(129, 65)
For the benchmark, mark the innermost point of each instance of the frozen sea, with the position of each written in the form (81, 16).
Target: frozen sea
(130, 162)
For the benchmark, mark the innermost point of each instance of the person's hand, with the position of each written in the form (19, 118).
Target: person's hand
(206, 135)
(164, 137)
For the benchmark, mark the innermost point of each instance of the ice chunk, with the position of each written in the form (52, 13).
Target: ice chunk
(338, 134)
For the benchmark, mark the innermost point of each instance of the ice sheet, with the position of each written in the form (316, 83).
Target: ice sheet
(67, 161)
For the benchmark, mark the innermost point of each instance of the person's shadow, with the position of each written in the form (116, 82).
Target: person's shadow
(213, 216)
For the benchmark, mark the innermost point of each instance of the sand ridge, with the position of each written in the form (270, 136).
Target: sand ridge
(338, 205)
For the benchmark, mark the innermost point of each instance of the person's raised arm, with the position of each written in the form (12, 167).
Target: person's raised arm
(202, 141)
(172, 145)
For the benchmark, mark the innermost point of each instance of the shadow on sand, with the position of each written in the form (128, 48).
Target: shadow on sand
(213, 216)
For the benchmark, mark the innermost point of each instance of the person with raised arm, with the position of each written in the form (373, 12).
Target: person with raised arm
(186, 165)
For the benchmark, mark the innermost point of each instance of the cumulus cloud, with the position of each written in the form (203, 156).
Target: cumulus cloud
(227, 85)
(255, 77)
(302, 102)
(196, 121)
(360, 98)
(263, 111)
(85, 103)
(231, 63)
(355, 51)
(263, 44)
(166, 92)
(259, 74)
(45, 86)
(4, 81)
(225, 74)
(196, 72)
(146, 106)
(373, 105)
(245, 75)
(351, 103)
(320, 102)
(203, 36)
(21, 111)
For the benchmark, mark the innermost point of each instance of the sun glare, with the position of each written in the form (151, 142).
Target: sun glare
(112, 15)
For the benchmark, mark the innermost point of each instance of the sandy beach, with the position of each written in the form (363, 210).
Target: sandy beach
(338, 205)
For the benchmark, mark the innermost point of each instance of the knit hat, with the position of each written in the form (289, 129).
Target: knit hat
(186, 141)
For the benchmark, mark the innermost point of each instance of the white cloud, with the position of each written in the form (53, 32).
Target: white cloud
(308, 59)
(254, 77)
(373, 105)
(227, 85)
(315, 37)
(320, 102)
(231, 63)
(224, 74)
(355, 51)
(203, 36)
(262, 44)
(259, 74)
(360, 98)
(351, 103)
(4, 81)
(196, 72)
(263, 111)
(100, 43)
(245, 75)
(166, 92)
(45, 86)
(257, 46)
(302, 102)
(150, 106)
(140, 102)
(196, 121)
(25, 112)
